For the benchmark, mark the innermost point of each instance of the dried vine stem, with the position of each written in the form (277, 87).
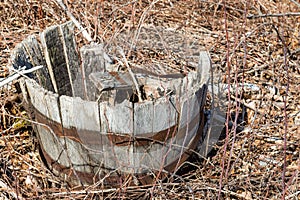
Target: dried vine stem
(274, 15)
(228, 68)
(131, 74)
(295, 2)
(85, 34)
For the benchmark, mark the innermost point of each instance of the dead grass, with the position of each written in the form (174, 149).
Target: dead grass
(262, 51)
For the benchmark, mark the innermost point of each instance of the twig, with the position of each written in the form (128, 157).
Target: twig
(274, 15)
(285, 122)
(295, 2)
(229, 104)
(85, 34)
(295, 51)
(5, 187)
(293, 195)
(131, 74)
(226, 191)
(17, 74)
(142, 18)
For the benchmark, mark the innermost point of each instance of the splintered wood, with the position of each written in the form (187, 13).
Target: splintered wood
(103, 112)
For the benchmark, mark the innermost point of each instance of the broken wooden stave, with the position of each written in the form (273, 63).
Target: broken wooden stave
(89, 128)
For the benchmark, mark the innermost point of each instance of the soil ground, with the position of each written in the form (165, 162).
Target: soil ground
(250, 42)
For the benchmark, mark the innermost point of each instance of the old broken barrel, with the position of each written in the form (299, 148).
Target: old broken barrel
(96, 121)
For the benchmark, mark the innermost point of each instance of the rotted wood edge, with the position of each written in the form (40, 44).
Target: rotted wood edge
(53, 45)
(62, 59)
(28, 54)
(72, 59)
(92, 57)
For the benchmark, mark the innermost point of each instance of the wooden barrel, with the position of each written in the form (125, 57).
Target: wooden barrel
(93, 125)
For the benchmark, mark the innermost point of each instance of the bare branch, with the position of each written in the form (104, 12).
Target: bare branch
(85, 34)
(295, 2)
(131, 74)
(274, 15)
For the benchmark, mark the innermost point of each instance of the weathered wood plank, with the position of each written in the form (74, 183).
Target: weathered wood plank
(64, 151)
(36, 57)
(119, 157)
(149, 158)
(164, 114)
(111, 80)
(20, 58)
(143, 118)
(78, 156)
(72, 59)
(113, 87)
(204, 68)
(188, 83)
(28, 54)
(75, 112)
(53, 46)
(24, 92)
(44, 101)
(110, 159)
(116, 119)
(161, 116)
(54, 147)
(83, 118)
(92, 58)
(92, 61)
(190, 117)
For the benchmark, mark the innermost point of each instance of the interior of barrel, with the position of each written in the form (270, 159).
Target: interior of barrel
(132, 105)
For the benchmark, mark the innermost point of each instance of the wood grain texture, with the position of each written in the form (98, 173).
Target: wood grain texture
(20, 58)
(44, 101)
(53, 145)
(114, 87)
(191, 107)
(204, 68)
(120, 158)
(143, 118)
(92, 61)
(72, 59)
(53, 46)
(164, 114)
(116, 118)
(80, 114)
(83, 117)
(64, 151)
(25, 94)
(36, 57)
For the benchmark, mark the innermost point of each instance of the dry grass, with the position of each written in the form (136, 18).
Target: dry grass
(263, 51)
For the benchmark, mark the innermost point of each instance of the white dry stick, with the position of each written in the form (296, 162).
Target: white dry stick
(18, 73)
(85, 34)
(131, 73)
(295, 2)
(5, 188)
